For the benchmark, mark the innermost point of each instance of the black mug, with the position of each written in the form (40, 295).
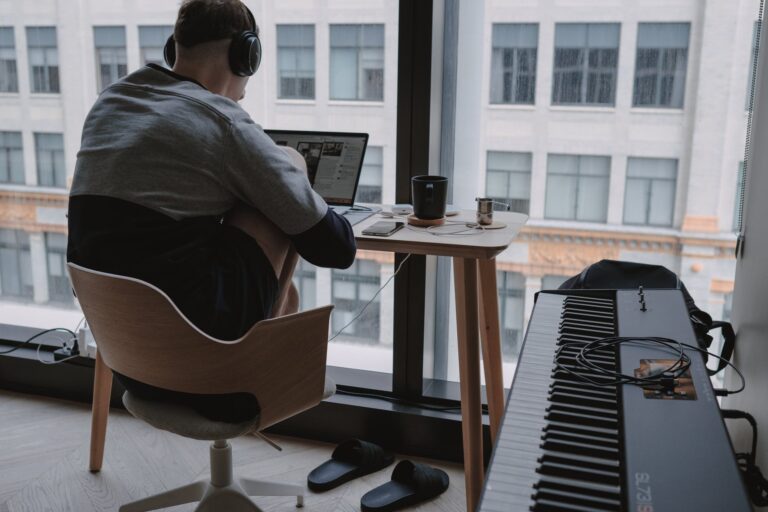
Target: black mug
(429, 194)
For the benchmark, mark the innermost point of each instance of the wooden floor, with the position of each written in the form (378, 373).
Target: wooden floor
(44, 453)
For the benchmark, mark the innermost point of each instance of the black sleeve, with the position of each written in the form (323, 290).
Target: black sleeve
(329, 243)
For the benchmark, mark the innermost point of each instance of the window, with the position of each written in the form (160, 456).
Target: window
(15, 264)
(296, 61)
(9, 79)
(111, 60)
(352, 289)
(508, 179)
(511, 311)
(304, 278)
(59, 289)
(43, 59)
(369, 188)
(50, 160)
(660, 65)
(552, 282)
(152, 42)
(577, 187)
(357, 62)
(11, 158)
(586, 60)
(649, 197)
(513, 62)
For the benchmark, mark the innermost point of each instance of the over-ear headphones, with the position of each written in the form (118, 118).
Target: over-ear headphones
(244, 50)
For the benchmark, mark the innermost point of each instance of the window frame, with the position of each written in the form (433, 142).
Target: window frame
(20, 247)
(359, 50)
(56, 171)
(49, 74)
(578, 177)
(515, 203)
(296, 50)
(658, 71)
(512, 71)
(585, 69)
(5, 154)
(9, 68)
(112, 57)
(649, 196)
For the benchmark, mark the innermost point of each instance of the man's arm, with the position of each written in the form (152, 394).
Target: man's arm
(329, 243)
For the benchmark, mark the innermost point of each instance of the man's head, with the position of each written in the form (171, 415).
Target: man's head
(216, 42)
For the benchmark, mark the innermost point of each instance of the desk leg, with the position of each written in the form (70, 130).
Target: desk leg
(465, 277)
(102, 389)
(491, 342)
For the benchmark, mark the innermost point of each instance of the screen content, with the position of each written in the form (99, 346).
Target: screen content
(333, 161)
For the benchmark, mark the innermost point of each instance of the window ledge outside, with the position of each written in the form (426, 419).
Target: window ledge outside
(355, 103)
(296, 102)
(45, 96)
(524, 107)
(583, 108)
(14, 95)
(657, 111)
(33, 189)
(627, 228)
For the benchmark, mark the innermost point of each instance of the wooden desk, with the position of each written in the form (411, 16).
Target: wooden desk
(474, 271)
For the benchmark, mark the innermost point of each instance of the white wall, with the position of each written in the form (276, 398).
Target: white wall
(750, 309)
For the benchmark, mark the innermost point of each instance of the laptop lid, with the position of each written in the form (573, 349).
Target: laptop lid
(334, 161)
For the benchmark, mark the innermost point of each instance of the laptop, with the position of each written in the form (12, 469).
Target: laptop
(334, 164)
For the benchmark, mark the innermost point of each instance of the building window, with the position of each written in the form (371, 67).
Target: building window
(369, 188)
(586, 62)
(59, 289)
(304, 279)
(649, 197)
(357, 62)
(15, 264)
(111, 60)
(9, 79)
(513, 62)
(577, 187)
(508, 179)
(11, 158)
(49, 148)
(660, 65)
(511, 310)
(152, 41)
(296, 61)
(352, 289)
(43, 59)
(552, 282)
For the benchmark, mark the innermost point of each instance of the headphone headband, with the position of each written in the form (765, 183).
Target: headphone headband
(244, 50)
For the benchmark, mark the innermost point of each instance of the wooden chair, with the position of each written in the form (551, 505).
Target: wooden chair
(141, 334)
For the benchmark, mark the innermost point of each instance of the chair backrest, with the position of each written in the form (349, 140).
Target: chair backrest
(141, 334)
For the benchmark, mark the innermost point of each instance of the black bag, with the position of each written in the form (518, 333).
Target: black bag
(611, 274)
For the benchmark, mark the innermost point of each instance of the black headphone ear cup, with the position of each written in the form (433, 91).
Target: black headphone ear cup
(245, 53)
(169, 51)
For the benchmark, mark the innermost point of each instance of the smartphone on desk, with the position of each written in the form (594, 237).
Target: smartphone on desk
(383, 228)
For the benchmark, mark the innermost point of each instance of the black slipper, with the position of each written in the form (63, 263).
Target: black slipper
(351, 459)
(411, 483)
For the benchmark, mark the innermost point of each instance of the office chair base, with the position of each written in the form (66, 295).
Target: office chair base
(221, 492)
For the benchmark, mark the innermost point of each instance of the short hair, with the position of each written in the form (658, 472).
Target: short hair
(201, 21)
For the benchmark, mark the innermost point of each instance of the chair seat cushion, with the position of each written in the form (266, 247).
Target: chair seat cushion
(185, 421)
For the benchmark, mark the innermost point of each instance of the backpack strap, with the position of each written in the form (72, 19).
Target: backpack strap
(730, 341)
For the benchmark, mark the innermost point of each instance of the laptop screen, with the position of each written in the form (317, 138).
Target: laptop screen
(334, 161)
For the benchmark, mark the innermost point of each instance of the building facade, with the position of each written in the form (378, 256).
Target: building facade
(617, 125)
